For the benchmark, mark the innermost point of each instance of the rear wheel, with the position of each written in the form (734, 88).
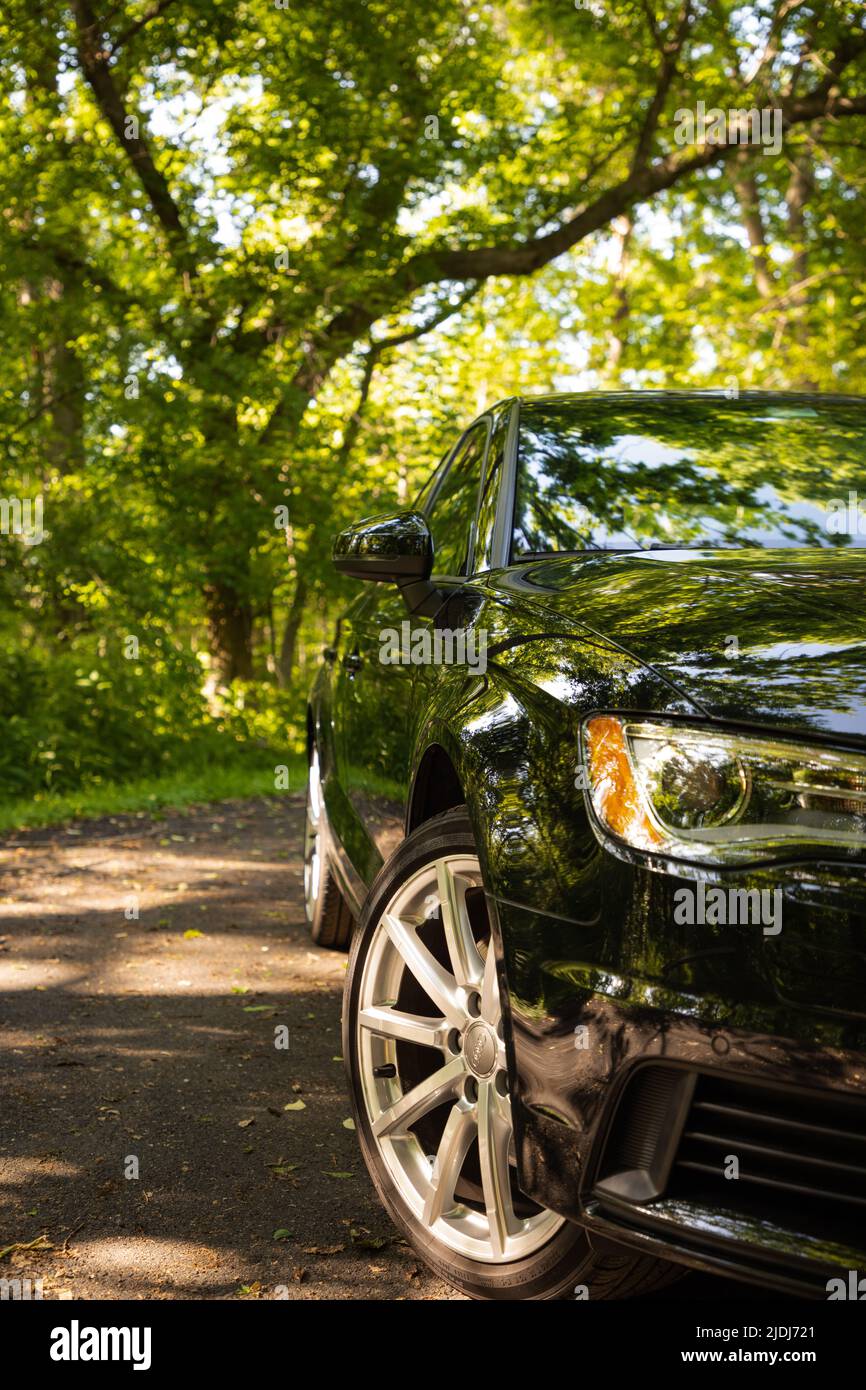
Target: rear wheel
(425, 1052)
(328, 916)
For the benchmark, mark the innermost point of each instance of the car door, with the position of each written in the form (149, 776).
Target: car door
(378, 687)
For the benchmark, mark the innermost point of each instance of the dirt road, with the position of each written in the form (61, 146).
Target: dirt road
(154, 1141)
(151, 1037)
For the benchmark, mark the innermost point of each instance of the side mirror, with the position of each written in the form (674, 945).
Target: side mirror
(394, 549)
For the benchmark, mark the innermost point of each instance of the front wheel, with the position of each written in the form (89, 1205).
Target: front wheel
(425, 1053)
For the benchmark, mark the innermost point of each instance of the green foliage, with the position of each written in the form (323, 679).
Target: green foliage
(255, 712)
(215, 216)
(81, 717)
(237, 776)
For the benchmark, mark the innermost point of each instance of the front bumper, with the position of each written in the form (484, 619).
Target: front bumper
(776, 1021)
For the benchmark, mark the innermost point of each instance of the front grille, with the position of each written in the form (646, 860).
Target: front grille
(801, 1157)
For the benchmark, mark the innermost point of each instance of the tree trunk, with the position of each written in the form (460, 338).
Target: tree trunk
(620, 265)
(60, 385)
(289, 644)
(746, 190)
(797, 195)
(230, 624)
(63, 389)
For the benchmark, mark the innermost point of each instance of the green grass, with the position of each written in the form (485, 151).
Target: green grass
(217, 781)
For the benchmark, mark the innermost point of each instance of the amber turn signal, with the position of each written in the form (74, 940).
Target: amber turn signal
(615, 796)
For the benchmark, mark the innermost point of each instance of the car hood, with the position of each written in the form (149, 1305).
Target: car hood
(775, 637)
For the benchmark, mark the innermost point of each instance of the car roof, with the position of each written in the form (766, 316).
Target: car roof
(718, 394)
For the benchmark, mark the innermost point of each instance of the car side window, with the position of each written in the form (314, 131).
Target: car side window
(422, 501)
(452, 512)
(490, 496)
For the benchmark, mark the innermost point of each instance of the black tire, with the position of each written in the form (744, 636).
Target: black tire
(566, 1262)
(328, 916)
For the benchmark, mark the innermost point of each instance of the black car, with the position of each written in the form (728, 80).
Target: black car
(587, 798)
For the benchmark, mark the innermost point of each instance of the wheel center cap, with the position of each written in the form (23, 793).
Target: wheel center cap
(479, 1048)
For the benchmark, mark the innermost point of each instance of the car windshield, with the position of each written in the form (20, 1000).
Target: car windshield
(615, 473)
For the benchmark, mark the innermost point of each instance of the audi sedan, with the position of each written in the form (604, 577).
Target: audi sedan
(587, 802)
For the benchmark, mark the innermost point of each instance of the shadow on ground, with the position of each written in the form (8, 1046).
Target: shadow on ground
(151, 1038)
(148, 966)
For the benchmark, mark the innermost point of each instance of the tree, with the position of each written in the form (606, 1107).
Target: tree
(231, 199)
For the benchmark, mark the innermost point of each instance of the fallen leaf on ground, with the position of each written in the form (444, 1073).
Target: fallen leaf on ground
(371, 1242)
(40, 1243)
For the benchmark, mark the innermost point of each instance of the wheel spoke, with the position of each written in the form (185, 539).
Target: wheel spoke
(491, 1008)
(494, 1135)
(420, 1100)
(431, 976)
(463, 953)
(393, 1023)
(453, 1147)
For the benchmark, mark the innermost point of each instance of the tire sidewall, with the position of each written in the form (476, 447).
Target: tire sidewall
(325, 906)
(311, 920)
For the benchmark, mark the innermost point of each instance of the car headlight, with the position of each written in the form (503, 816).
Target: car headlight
(700, 794)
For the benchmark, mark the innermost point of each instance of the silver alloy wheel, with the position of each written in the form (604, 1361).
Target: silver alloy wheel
(470, 1078)
(313, 836)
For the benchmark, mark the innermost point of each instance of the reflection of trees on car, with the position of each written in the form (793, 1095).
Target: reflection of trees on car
(683, 471)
